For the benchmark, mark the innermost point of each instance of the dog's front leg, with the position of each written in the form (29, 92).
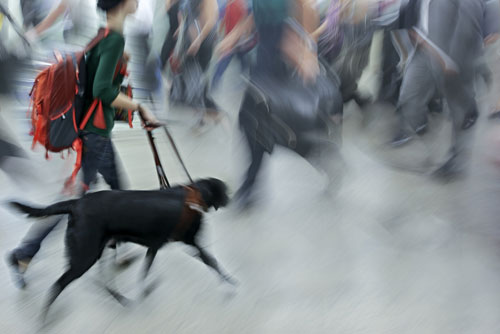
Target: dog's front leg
(147, 289)
(105, 266)
(210, 261)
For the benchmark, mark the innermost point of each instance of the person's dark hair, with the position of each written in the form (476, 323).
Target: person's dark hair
(108, 4)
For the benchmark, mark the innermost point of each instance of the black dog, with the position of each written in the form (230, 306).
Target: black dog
(148, 218)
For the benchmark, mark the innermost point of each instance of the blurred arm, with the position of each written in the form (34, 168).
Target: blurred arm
(209, 14)
(243, 27)
(52, 17)
(307, 15)
(321, 29)
(491, 24)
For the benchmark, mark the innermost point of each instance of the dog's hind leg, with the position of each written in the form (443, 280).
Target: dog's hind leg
(210, 261)
(56, 290)
(69, 276)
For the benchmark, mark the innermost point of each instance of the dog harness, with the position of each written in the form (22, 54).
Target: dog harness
(194, 206)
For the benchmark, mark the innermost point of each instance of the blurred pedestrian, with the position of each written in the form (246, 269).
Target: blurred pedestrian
(235, 11)
(449, 39)
(80, 21)
(279, 107)
(192, 55)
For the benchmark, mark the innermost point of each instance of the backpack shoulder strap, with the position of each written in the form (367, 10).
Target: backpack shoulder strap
(101, 34)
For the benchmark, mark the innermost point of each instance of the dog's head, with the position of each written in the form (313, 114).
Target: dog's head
(213, 192)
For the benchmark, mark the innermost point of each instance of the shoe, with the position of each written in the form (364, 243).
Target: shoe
(401, 139)
(15, 270)
(435, 106)
(421, 130)
(243, 201)
(361, 101)
(448, 172)
(494, 115)
(470, 120)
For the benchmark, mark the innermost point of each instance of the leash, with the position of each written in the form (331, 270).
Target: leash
(159, 168)
(171, 139)
(162, 177)
(194, 204)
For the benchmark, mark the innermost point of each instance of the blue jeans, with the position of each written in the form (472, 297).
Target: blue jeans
(98, 156)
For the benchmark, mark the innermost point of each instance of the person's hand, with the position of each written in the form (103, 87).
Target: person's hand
(194, 47)
(491, 38)
(300, 56)
(31, 36)
(308, 68)
(176, 32)
(224, 47)
(148, 120)
(126, 56)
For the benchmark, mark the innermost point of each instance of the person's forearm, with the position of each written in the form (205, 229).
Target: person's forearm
(52, 17)
(308, 17)
(122, 101)
(209, 15)
(239, 30)
(317, 33)
(207, 28)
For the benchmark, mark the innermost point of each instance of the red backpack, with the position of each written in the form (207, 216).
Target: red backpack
(57, 103)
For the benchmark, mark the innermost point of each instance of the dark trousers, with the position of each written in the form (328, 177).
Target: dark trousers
(391, 82)
(98, 156)
(423, 79)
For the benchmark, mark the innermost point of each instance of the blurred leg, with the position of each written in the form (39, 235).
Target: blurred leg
(417, 89)
(221, 67)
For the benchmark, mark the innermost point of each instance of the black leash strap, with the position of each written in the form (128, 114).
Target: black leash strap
(171, 139)
(162, 177)
(159, 168)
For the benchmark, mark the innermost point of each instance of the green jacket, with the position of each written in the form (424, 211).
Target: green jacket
(102, 62)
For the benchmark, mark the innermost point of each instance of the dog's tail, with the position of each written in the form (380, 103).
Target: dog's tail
(54, 209)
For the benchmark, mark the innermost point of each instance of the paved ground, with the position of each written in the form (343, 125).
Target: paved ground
(393, 252)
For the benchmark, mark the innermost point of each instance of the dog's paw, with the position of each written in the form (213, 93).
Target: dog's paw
(124, 301)
(126, 261)
(230, 280)
(149, 289)
(229, 288)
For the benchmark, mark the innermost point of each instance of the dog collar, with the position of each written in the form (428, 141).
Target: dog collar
(194, 201)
